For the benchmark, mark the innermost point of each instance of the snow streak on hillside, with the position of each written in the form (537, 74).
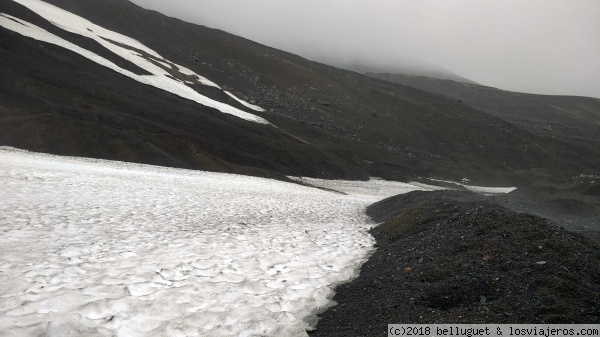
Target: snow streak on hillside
(99, 248)
(124, 47)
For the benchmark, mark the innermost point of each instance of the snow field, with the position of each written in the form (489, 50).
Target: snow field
(100, 248)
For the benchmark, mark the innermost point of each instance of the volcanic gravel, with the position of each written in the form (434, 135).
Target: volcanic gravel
(447, 257)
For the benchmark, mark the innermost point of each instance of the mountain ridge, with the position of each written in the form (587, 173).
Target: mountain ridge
(573, 118)
(351, 125)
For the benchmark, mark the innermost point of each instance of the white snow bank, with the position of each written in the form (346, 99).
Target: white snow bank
(100, 248)
(480, 189)
(159, 78)
(490, 190)
(374, 187)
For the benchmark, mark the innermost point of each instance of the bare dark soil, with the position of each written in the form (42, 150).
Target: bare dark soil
(454, 257)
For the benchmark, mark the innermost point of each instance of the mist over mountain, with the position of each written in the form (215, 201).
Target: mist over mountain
(538, 46)
(409, 70)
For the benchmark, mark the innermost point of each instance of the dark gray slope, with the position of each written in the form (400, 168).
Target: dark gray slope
(571, 119)
(350, 125)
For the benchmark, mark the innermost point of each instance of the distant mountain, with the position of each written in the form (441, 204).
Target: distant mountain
(432, 71)
(571, 119)
(135, 85)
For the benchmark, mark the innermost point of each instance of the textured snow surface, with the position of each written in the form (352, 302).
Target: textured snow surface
(100, 248)
(160, 78)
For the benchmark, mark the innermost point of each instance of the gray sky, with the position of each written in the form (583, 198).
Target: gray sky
(539, 46)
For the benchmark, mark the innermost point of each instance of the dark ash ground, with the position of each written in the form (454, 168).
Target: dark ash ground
(471, 261)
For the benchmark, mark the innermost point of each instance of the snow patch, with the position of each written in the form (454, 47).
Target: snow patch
(374, 187)
(75, 24)
(246, 104)
(479, 189)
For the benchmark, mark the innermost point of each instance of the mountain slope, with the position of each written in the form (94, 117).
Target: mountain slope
(104, 114)
(325, 122)
(571, 119)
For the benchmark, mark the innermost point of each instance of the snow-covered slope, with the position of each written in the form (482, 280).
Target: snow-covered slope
(99, 248)
(126, 48)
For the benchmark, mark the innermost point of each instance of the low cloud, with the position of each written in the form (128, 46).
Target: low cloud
(539, 46)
